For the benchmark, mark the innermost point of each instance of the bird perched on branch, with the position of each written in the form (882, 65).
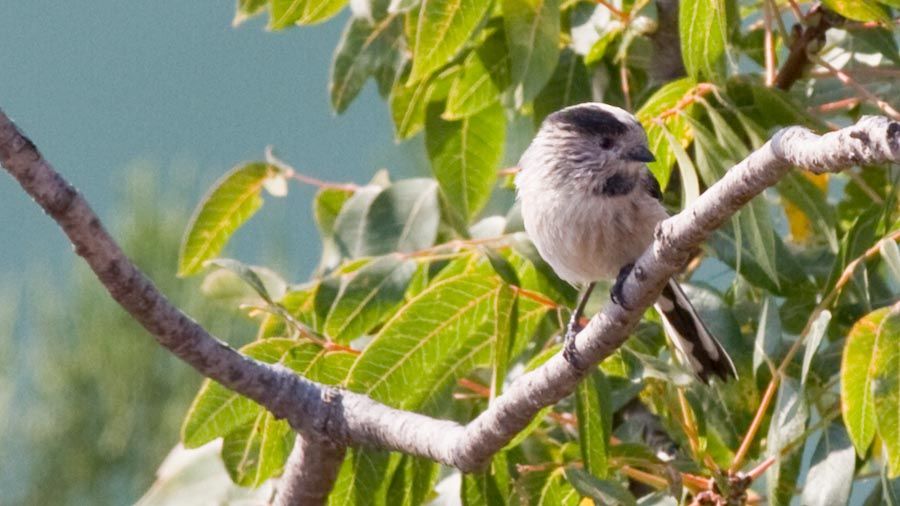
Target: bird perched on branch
(591, 205)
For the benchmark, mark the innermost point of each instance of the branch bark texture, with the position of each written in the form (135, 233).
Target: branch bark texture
(329, 418)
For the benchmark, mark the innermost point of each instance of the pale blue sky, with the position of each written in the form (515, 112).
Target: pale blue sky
(100, 85)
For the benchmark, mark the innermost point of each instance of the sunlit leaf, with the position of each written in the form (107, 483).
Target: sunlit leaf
(450, 320)
(768, 336)
(257, 451)
(857, 395)
(402, 218)
(284, 13)
(247, 9)
(408, 101)
(365, 47)
(216, 411)
(532, 33)
(465, 155)
(230, 203)
(885, 377)
(664, 100)
(890, 253)
(830, 474)
(594, 413)
(484, 76)
(370, 295)
(443, 27)
(858, 10)
(702, 25)
(363, 478)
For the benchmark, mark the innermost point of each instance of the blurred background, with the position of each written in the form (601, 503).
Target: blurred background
(143, 105)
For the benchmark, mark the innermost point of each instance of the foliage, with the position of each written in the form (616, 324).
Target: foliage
(427, 299)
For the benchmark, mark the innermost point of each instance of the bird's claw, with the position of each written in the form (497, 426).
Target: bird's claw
(570, 352)
(615, 294)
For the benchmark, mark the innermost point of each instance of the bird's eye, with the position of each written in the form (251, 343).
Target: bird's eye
(606, 142)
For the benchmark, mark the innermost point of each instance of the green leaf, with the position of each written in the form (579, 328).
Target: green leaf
(858, 10)
(366, 46)
(689, 183)
(412, 481)
(327, 206)
(830, 474)
(250, 276)
(594, 412)
(506, 310)
(663, 100)
(217, 411)
(350, 224)
(484, 76)
(532, 34)
(235, 289)
(418, 349)
(606, 492)
(813, 339)
(702, 25)
(890, 253)
(372, 293)
(284, 13)
(879, 39)
(885, 377)
(464, 156)
(408, 101)
(857, 399)
(257, 451)
(403, 218)
(442, 29)
(247, 9)
(768, 335)
(569, 85)
(788, 424)
(363, 478)
(230, 203)
(481, 489)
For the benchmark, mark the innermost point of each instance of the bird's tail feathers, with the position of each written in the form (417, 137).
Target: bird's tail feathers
(698, 348)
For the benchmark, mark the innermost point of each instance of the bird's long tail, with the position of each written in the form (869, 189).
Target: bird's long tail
(702, 352)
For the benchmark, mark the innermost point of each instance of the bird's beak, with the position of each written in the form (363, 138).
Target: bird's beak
(640, 154)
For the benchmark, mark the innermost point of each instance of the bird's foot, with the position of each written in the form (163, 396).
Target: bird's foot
(615, 294)
(570, 352)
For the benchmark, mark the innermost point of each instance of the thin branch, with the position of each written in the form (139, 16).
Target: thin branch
(848, 80)
(805, 40)
(310, 472)
(345, 418)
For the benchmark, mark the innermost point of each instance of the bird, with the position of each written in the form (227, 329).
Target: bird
(591, 205)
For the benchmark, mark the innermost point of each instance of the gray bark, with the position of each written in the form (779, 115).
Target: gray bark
(329, 418)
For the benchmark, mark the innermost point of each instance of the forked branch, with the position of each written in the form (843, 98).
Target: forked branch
(329, 418)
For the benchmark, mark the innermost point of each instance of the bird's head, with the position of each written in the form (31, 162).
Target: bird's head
(585, 139)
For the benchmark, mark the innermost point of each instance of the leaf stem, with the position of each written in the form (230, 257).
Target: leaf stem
(776, 376)
(846, 79)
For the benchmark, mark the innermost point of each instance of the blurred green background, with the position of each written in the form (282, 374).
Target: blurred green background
(143, 106)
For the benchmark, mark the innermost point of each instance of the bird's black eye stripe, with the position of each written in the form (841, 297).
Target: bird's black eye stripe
(606, 142)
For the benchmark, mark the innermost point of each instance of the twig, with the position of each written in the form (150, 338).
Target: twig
(769, 44)
(871, 97)
(624, 17)
(804, 40)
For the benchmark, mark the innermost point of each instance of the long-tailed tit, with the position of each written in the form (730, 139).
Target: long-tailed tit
(590, 205)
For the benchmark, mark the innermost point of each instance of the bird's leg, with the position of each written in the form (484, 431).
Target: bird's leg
(615, 294)
(570, 353)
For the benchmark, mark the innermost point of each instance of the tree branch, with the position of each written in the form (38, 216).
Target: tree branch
(805, 40)
(341, 418)
(310, 472)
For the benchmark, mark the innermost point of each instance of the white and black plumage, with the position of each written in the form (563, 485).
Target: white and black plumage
(591, 205)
